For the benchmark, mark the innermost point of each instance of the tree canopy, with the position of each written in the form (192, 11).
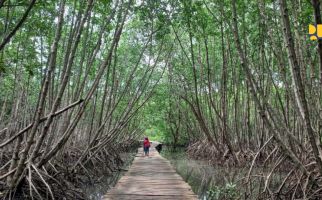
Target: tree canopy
(236, 82)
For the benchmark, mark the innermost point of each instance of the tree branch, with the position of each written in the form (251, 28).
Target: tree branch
(22, 20)
(41, 120)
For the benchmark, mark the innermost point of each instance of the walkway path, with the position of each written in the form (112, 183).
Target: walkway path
(151, 178)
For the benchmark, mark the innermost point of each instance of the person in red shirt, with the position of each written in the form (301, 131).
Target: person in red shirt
(146, 146)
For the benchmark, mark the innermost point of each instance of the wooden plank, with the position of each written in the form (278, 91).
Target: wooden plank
(151, 178)
(149, 197)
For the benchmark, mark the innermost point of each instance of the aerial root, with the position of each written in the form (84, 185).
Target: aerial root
(265, 172)
(43, 180)
(59, 178)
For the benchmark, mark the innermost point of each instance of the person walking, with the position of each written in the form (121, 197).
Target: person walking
(146, 146)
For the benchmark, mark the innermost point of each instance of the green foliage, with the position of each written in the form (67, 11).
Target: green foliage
(173, 23)
(2, 65)
(228, 192)
(154, 134)
(154, 115)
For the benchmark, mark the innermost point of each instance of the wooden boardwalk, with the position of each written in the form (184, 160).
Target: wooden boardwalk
(151, 178)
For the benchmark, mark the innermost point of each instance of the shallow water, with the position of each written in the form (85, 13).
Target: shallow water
(203, 177)
(215, 182)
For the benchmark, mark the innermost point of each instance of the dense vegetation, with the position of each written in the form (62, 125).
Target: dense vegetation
(237, 82)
